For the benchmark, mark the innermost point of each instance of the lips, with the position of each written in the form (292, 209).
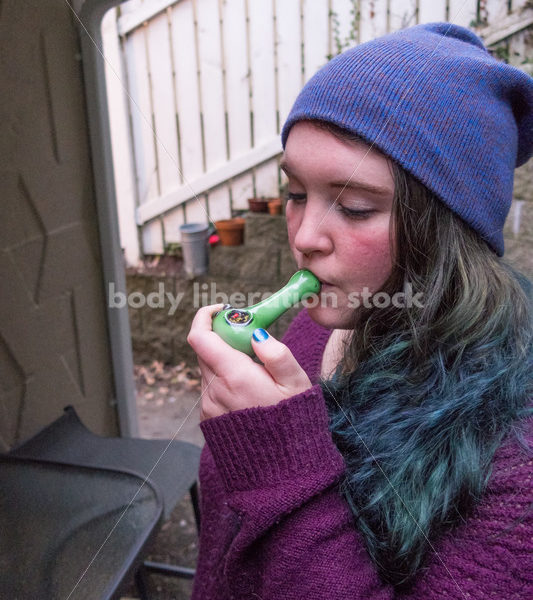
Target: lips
(324, 283)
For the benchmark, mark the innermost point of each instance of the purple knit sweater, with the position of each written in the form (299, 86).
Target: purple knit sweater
(274, 526)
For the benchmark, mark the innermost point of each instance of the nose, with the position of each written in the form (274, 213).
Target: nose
(312, 231)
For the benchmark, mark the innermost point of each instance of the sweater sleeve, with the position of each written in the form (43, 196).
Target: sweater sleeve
(295, 537)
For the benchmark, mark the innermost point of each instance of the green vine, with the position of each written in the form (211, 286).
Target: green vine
(173, 249)
(477, 22)
(342, 44)
(501, 52)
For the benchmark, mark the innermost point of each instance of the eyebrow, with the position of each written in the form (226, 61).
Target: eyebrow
(351, 184)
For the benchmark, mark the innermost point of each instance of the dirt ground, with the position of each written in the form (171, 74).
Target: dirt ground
(168, 405)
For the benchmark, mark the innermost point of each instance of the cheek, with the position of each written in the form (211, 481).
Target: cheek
(370, 250)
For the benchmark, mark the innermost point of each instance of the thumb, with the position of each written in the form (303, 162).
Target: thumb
(279, 361)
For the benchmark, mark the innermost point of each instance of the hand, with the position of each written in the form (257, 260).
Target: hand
(231, 380)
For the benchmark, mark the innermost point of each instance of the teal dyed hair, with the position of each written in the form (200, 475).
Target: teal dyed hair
(425, 396)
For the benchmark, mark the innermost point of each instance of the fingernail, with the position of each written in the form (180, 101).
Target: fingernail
(260, 335)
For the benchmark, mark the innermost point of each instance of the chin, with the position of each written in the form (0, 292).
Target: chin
(331, 318)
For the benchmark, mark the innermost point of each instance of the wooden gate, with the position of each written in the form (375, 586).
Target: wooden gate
(199, 90)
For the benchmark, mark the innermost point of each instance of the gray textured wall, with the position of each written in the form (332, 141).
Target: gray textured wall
(53, 336)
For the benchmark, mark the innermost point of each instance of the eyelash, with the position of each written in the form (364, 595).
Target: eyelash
(348, 212)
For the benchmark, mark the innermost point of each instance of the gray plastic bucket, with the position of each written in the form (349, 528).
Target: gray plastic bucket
(194, 238)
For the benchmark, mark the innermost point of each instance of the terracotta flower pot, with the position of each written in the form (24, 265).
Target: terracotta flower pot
(258, 204)
(231, 231)
(274, 206)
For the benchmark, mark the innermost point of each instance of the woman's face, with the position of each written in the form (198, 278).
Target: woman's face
(338, 218)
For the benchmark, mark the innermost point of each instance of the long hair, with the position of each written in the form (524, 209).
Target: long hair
(425, 395)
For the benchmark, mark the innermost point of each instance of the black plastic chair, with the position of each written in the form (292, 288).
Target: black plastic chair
(71, 532)
(169, 467)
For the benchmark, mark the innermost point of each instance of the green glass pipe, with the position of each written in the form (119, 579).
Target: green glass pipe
(236, 325)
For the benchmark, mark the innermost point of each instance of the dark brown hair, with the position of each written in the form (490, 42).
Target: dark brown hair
(424, 395)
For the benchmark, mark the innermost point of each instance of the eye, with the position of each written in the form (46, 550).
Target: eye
(296, 198)
(354, 214)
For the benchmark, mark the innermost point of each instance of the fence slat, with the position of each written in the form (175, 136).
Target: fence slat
(212, 97)
(262, 70)
(219, 203)
(266, 179)
(431, 12)
(518, 52)
(134, 16)
(141, 116)
(316, 25)
(403, 13)
(163, 103)
(152, 238)
(242, 188)
(495, 11)
(187, 101)
(237, 76)
(463, 12)
(373, 19)
(289, 55)
(172, 222)
(196, 210)
(344, 28)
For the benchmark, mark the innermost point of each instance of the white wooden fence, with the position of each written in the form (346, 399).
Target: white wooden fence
(199, 90)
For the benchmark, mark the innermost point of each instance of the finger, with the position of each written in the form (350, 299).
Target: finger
(219, 356)
(204, 317)
(278, 360)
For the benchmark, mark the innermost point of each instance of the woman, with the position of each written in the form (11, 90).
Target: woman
(383, 449)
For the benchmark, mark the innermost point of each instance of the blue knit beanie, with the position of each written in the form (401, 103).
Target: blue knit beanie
(432, 98)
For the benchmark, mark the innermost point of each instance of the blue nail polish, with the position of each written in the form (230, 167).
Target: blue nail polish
(260, 335)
